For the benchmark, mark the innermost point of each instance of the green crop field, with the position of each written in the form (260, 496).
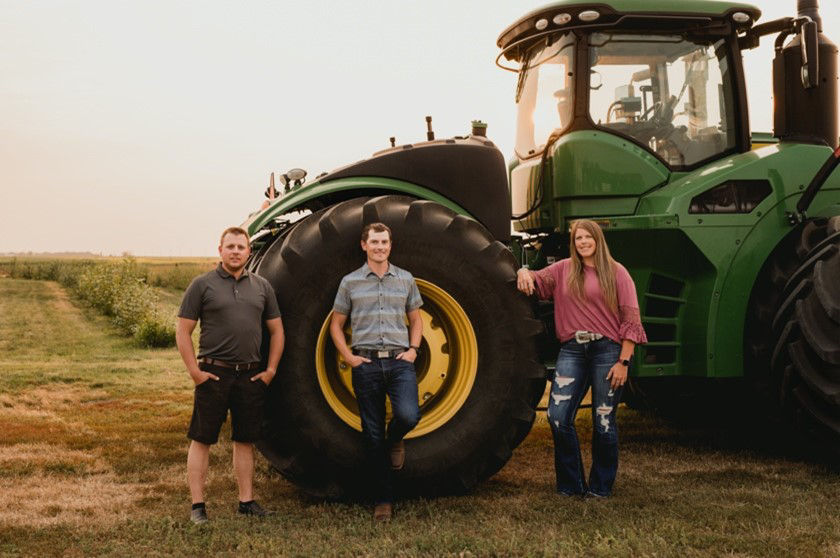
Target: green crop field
(165, 272)
(92, 462)
(127, 289)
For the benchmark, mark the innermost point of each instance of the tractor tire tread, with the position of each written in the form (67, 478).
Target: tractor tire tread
(806, 356)
(809, 371)
(821, 332)
(826, 275)
(786, 308)
(817, 411)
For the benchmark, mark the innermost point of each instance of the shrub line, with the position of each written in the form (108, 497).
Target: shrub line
(117, 289)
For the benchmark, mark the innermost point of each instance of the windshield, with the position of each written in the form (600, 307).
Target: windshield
(669, 93)
(544, 94)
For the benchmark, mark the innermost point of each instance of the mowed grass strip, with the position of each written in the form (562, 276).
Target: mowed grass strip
(92, 453)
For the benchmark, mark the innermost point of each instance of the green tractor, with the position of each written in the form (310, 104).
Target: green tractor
(630, 112)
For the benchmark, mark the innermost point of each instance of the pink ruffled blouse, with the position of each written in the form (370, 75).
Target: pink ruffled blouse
(592, 314)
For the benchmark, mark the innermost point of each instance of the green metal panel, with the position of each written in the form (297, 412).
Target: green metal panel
(677, 194)
(674, 280)
(596, 173)
(714, 259)
(593, 173)
(365, 185)
(594, 163)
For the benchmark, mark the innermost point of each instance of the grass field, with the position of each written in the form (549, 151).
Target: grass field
(92, 462)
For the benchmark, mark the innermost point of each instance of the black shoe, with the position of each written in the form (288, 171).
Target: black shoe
(199, 516)
(252, 508)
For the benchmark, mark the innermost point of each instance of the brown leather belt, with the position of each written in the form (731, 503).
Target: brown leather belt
(239, 367)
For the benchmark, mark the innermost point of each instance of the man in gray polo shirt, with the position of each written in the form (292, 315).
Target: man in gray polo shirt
(378, 296)
(232, 305)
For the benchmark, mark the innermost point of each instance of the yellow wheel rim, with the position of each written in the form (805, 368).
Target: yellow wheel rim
(446, 366)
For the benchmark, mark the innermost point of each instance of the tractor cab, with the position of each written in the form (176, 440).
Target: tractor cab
(672, 95)
(641, 88)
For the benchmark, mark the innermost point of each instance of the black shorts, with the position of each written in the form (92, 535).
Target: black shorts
(235, 391)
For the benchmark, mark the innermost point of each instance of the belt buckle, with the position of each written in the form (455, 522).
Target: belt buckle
(236, 367)
(583, 337)
(383, 354)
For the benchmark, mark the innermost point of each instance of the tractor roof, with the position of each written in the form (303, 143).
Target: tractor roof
(565, 13)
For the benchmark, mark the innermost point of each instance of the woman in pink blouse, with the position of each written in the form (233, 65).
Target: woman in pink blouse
(596, 316)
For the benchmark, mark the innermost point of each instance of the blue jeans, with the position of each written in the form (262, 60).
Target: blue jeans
(580, 365)
(371, 382)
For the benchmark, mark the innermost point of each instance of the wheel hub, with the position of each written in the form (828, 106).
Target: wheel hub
(446, 367)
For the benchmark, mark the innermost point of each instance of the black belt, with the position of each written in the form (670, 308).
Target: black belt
(239, 367)
(374, 353)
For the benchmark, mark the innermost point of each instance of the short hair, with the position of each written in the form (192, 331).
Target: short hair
(375, 227)
(237, 231)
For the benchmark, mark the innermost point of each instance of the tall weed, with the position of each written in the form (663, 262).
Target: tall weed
(119, 289)
(116, 288)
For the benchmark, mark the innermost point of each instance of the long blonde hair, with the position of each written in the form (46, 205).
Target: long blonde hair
(604, 264)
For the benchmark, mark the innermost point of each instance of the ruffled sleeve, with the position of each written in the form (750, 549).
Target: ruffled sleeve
(546, 281)
(629, 318)
(630, 325)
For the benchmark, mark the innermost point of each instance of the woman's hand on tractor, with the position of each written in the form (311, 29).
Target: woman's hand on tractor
(525, 281)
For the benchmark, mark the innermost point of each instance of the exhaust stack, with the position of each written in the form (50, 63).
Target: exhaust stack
(805, 106)
(810, 8)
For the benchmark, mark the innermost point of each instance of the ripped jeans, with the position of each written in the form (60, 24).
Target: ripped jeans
(580, 365)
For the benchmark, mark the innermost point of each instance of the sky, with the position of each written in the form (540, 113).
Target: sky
(149, 126)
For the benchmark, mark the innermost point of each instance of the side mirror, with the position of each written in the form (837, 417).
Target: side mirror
(809, 40)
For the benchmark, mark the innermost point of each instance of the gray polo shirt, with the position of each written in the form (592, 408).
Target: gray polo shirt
(377, 307)
(231, 311)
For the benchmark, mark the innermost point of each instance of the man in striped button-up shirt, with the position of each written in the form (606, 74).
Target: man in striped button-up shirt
(377, 297)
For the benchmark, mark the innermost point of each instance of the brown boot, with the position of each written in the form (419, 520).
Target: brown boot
(398, 455)
(382, 512)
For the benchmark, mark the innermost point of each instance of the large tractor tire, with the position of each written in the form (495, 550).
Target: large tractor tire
(793, 330)
(478, 376)
(806, 357)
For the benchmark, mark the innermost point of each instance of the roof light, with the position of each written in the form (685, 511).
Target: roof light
(588, 15)
(541, 24)
(740, 17)
(562, 19)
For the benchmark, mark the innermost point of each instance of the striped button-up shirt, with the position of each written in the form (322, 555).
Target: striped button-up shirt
(377, 306)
